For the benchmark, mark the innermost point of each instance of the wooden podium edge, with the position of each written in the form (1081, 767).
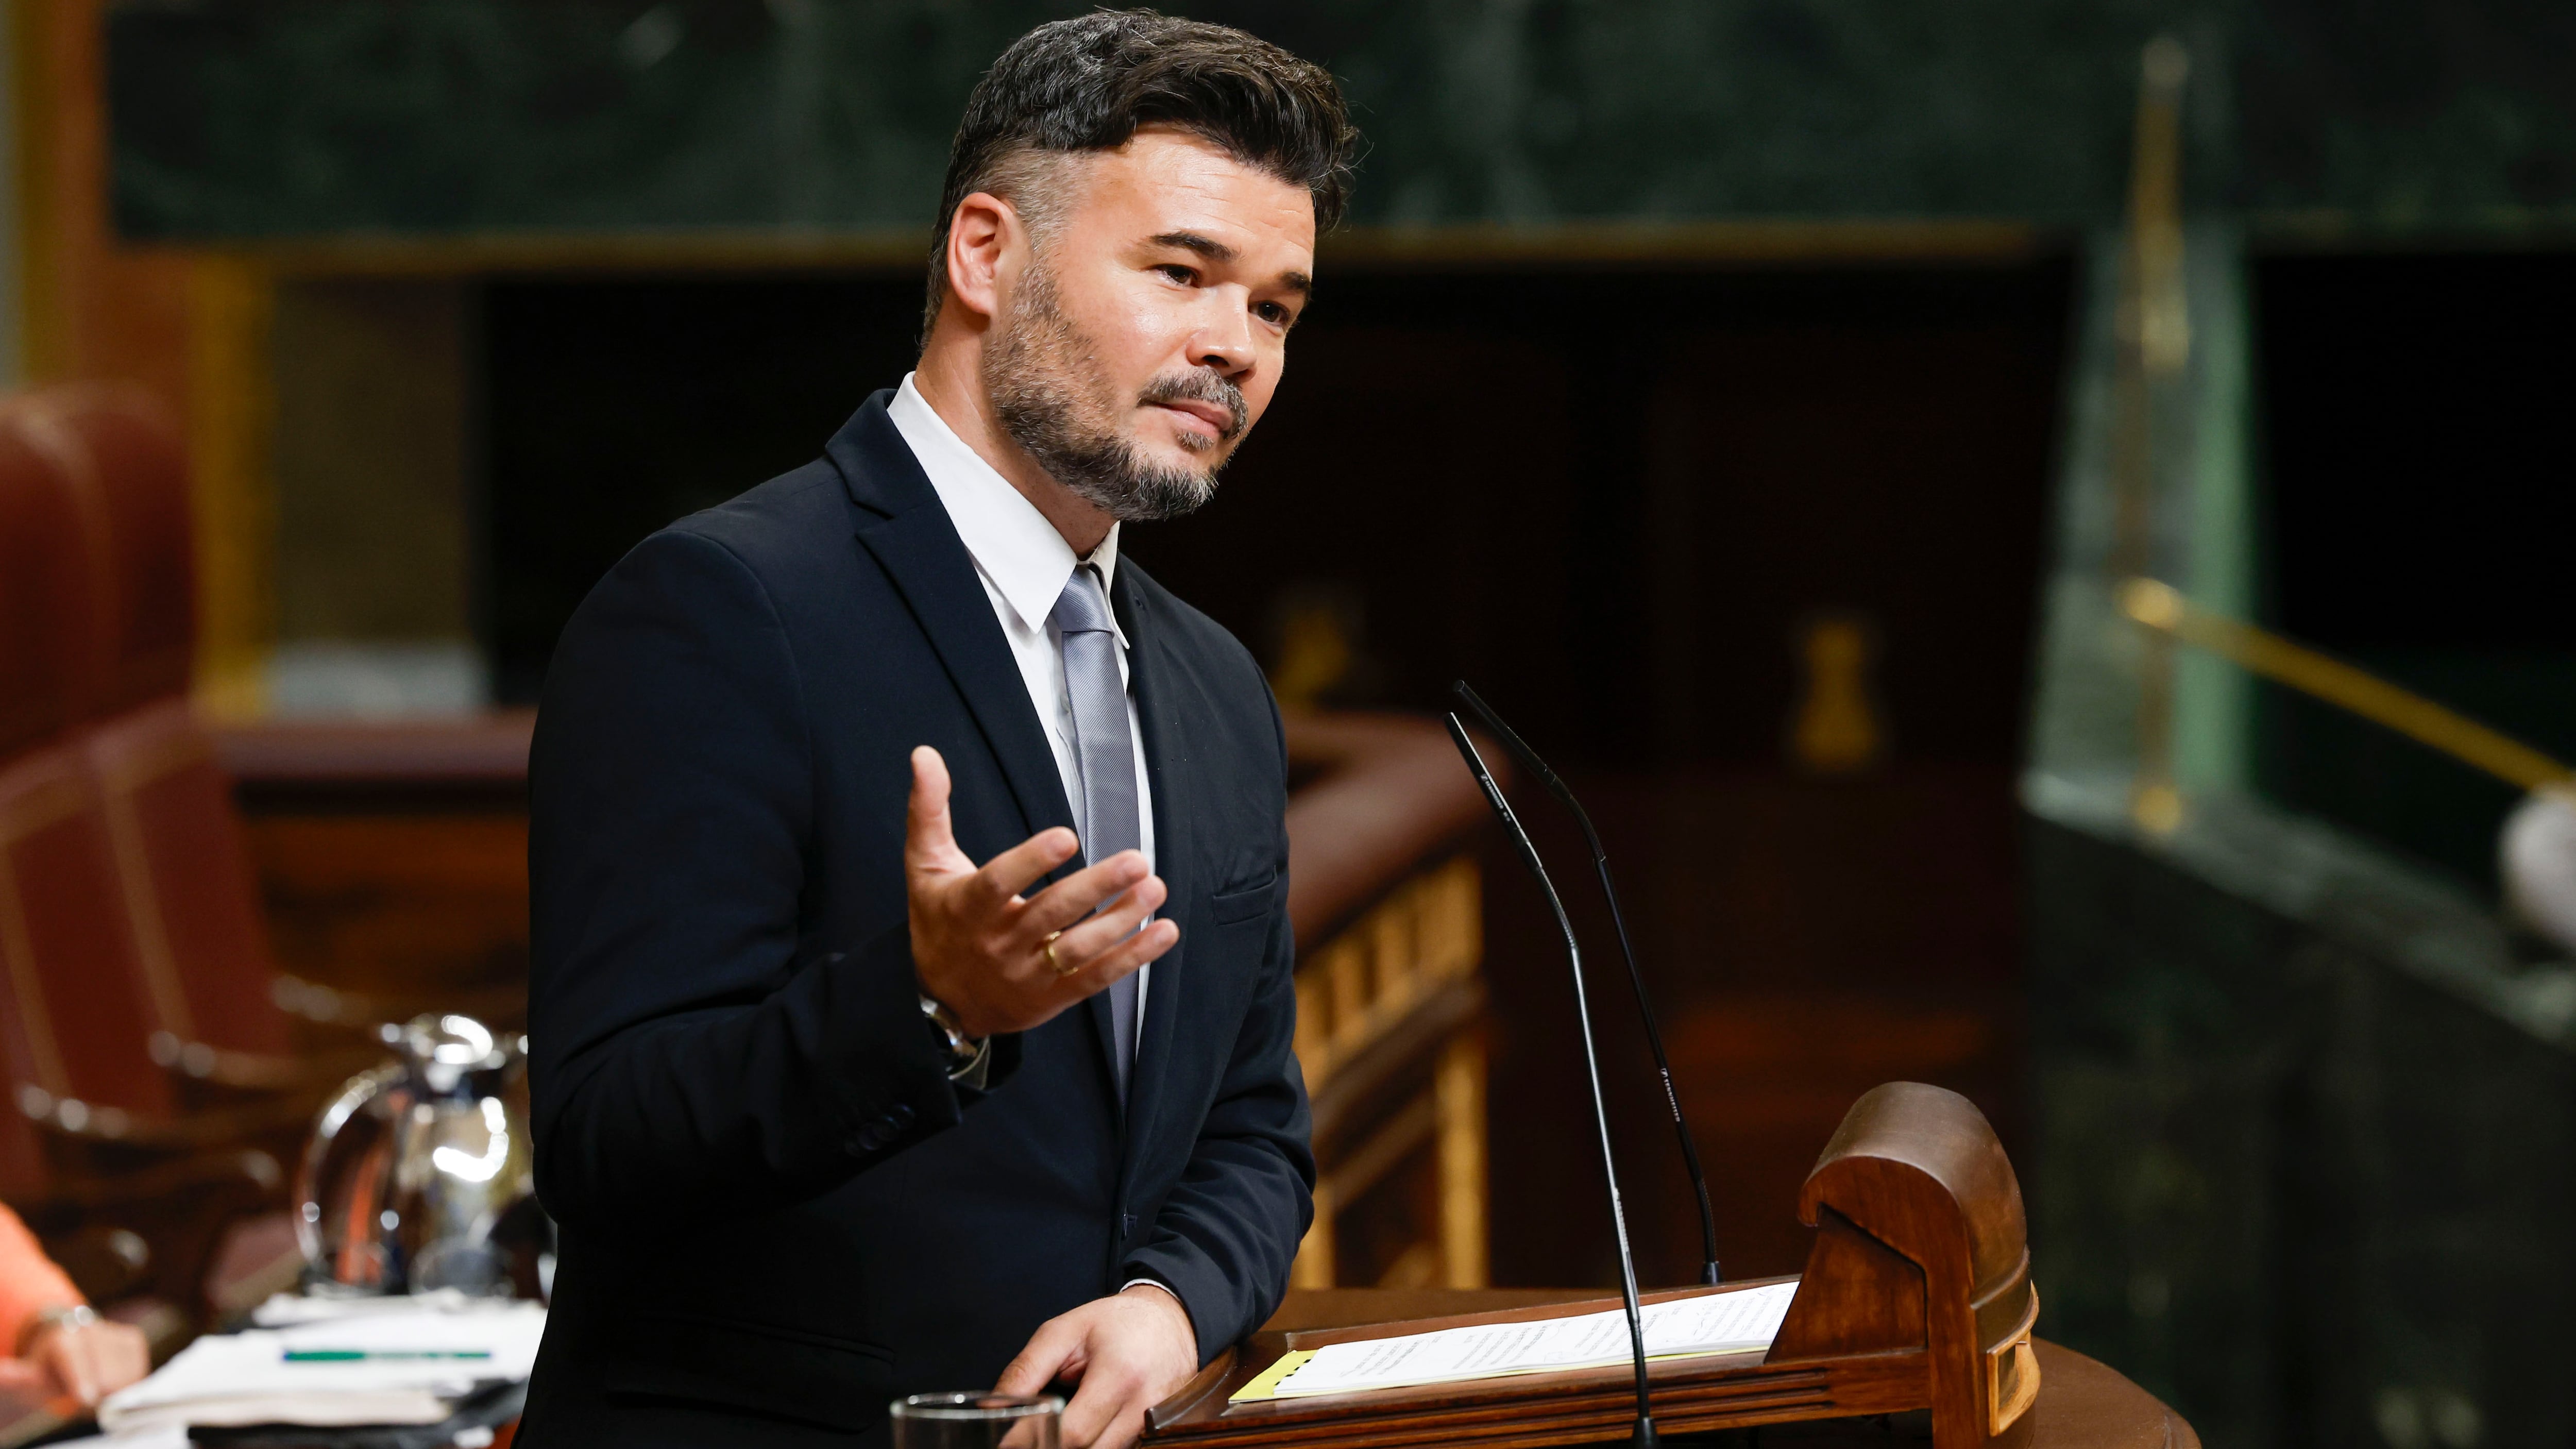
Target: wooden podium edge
(2083, 1404)
(1569, 1406)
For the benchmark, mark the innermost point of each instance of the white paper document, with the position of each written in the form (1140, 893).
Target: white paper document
(1714, 1323)
(403, 1365)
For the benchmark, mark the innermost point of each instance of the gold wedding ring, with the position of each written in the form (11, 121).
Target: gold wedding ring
(1061, 970)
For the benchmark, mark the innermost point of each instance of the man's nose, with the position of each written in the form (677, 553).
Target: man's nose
(1224, 341)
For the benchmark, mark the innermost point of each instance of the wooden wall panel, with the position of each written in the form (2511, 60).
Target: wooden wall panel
(397, 903)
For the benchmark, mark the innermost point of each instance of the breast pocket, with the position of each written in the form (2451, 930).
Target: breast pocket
(1246, 904)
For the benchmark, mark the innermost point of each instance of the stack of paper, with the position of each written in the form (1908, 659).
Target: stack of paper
(387, 1361)
(1739, 1322)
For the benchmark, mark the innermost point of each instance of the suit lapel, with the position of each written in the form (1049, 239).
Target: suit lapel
(1160, 687)
(908, 532)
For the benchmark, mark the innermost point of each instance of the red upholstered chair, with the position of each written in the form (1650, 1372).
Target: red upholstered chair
(122, 458)
(50, 649)
(118, 825)
(76, 1030)
(183, 880)
(79, 1028)
(133, 1193)
(81, 1032)
(80, 1037)
(49, 609)
(184, 875)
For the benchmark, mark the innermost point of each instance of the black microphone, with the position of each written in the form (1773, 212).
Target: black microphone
(1645, 1007)
(1644, 1435)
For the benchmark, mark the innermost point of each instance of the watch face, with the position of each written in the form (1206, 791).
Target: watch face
(950, 1039)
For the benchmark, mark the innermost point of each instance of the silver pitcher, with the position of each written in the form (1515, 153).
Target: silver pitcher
(419, 1175)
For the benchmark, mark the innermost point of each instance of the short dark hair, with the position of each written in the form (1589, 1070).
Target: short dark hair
(1087, 83)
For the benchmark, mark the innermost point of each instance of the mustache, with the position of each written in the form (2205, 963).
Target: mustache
(1200, 385)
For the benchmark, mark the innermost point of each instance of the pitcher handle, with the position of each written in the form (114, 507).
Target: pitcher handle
(356, 1094)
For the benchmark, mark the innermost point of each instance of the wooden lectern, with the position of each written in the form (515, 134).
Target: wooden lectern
(1916, 1296)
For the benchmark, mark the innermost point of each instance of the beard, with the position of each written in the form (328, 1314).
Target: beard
(1052, 400)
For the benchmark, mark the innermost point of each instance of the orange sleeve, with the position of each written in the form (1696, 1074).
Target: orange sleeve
(29, 1282)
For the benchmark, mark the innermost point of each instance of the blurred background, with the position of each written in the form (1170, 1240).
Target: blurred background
(1770, 405)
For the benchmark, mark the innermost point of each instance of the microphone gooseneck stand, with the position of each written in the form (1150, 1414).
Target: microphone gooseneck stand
(1644, 1436)
(1636, 978)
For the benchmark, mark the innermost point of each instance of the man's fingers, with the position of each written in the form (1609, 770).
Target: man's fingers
(1043, 1361)
(1122, 959)
(1095, 1417)
(1116, 924)
(1063, 905)
(929, 837)
(1018, 868)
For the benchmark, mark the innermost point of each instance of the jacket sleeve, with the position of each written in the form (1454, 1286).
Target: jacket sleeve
(1226, 1234)
(690, 1053)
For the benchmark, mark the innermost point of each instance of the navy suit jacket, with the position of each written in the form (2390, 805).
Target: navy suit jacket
(776, 1212)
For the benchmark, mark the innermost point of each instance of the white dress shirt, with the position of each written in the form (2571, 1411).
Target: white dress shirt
(1024, 564)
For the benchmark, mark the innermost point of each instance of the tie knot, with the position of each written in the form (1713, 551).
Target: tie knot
(1082, 608)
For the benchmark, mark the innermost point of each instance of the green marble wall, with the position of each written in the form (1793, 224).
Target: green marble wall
(249, 118)
(2304, 1161)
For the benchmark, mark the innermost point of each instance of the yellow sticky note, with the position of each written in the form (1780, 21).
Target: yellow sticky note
(1267, 1385)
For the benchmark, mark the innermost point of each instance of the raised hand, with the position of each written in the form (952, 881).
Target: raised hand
(1002, 962)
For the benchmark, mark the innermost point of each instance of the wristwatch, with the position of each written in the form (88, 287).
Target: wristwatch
(961, 1050)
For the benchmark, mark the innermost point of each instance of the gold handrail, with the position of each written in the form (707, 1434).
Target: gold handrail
(2153, 322)
(2152, 329)
(2164, 610)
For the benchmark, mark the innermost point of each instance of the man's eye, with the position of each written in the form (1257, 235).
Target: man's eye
(1178, 273)
(1273, 313)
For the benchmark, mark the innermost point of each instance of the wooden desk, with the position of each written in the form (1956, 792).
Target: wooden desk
(2082, 1403)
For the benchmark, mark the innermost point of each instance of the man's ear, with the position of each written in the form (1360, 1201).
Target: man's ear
(984, 239)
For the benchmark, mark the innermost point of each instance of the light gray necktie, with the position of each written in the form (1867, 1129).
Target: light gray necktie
(1106, 754)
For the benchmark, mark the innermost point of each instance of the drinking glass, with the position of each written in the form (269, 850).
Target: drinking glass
(976, 1421)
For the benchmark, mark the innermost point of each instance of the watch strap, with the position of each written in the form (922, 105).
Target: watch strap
(963, 1053)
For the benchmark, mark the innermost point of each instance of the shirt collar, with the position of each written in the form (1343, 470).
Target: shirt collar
(1010, 541)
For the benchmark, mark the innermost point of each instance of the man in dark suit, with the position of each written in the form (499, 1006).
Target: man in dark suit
(827, 1111)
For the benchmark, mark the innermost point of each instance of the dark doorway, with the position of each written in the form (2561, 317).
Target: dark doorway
(2421, 514)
